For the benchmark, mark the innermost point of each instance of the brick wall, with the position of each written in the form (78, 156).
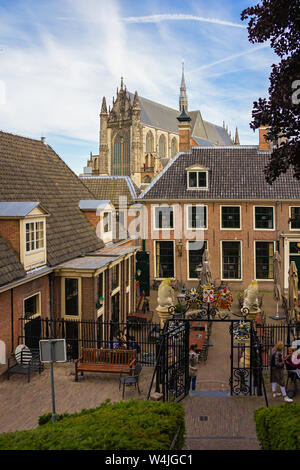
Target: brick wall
(215, 235)
(19, 294)
(10, 230)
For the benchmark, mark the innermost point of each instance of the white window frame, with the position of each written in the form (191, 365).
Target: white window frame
(230, 205)
(188, 259)
(35, 221)
(174, 257)
(254, 257)
(264, 229)
(197, 188)
(63, 297)
(221, 263)
(187, 216)
(154, 217)
(290, 223)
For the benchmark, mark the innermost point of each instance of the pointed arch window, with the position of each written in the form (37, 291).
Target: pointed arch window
(174, 147)
(162, 146)
(121, 155)
(149, 142)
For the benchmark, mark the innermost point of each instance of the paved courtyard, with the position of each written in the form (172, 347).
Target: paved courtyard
(212, 422)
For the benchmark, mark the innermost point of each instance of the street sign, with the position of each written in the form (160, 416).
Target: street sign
(53, 350)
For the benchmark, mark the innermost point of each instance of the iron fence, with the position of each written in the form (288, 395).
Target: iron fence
(94, 334)
(270, 334)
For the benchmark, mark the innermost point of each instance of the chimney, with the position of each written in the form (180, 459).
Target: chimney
(184, 128)
(43, 139)
(263, 143)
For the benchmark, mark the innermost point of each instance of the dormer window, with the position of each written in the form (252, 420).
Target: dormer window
(35, 235)
(197, 178)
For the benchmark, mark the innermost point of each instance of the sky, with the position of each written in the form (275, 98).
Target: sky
(58, 58)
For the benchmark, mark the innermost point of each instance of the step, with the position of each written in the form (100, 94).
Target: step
(209, 393)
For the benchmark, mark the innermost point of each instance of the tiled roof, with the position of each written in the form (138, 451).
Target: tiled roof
(235, 172)
(10, 266)
(112, 187)
(31, 171)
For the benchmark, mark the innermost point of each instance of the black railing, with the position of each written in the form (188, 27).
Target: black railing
(270, 334)
(94, 334)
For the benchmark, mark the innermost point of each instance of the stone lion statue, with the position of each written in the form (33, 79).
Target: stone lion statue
(165, 294)
(251, 297)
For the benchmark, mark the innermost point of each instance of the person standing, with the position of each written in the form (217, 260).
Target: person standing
(193, 369)
(277, 371)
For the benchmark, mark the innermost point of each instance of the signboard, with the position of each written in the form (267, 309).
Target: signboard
(58, 353)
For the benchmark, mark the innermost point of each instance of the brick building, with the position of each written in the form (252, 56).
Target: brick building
(217, 197)
(52, 262)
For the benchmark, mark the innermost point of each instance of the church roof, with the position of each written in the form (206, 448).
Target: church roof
(162, 117)
(31, 171)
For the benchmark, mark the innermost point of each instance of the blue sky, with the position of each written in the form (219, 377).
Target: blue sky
(59, 57)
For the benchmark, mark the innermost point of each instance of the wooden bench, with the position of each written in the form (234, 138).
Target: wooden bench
(105, 360)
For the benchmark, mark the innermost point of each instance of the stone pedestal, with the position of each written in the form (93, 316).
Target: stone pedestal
(164, 314)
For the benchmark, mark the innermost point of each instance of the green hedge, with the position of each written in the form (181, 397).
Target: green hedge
(278, 427)
(128, 425)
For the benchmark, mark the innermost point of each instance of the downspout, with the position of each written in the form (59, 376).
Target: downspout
(12, 318)
(277, 227)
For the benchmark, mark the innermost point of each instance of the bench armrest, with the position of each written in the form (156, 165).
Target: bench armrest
(78, 360)
(132, 363)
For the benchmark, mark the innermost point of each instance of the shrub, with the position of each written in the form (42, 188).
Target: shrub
(278, 428)
(131, 425)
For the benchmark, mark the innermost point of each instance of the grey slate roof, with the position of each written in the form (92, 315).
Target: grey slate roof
(235, 172)
(16, 209)
(92, 204)
(31, 171)
(165, 118)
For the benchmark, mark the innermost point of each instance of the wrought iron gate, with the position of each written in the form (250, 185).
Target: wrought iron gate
(172, 366)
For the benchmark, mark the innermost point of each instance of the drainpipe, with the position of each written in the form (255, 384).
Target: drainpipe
(51, 288)
(12, 318)
(277, 228)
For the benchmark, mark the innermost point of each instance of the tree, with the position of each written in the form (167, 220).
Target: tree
(279, 22)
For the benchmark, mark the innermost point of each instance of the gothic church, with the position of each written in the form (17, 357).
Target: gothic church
(138, 137)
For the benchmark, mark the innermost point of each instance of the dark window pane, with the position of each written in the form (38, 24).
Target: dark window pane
(295, 249)
(196, 249)
(164, 259)
(192, 179)
(31, 306)
(115, 277)
(230, 217)
(264, 217)
(264, 252)
(197, 217)
(295, 217)
(71, 293)
(231, 260)
(202, 179)
(164, 217)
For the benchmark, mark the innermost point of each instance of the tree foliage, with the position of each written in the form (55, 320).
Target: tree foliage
(278, 21)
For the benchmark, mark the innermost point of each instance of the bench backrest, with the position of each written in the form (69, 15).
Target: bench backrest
(108, 356)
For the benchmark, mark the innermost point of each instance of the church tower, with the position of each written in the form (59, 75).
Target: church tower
(183, 102)
(103, 149)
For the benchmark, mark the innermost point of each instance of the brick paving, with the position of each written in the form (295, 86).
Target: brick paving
(229, 423)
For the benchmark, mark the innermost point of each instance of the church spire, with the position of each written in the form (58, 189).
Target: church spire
(237, 139)
(103, 107)
(183, 102)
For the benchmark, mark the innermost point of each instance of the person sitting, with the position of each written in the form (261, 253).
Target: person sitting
(121, 340)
